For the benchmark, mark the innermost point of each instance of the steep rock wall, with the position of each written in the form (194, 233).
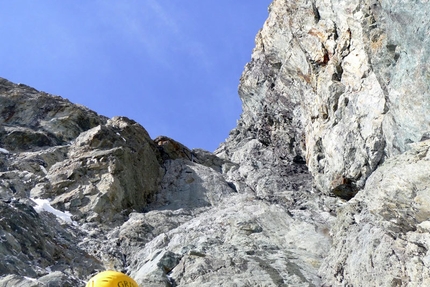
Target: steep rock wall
(341, 84)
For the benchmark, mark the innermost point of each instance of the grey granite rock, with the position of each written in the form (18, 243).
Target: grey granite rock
(329, 83)
(189, 185)
(243, 241)
(110, 171)
(18, 281)
(36, 244)
(32, 120)
(381, 237)
(324, 181)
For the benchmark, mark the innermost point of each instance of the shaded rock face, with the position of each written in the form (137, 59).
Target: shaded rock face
(35, 245)
(31, 120)
(324, 181)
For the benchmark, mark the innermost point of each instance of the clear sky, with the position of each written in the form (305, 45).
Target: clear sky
(173, 66)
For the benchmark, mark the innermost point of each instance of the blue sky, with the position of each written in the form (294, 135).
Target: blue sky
(172, 66)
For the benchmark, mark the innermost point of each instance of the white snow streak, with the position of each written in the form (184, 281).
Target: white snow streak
(2, 150)
(44, 205)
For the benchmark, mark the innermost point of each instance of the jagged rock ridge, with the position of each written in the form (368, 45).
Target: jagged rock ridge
(324, 181)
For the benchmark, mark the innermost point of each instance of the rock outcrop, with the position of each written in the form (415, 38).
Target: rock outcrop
(332, 79)
(324, 181)
(382, 235)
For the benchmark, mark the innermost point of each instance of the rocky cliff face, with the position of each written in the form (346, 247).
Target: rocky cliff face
(324, 181)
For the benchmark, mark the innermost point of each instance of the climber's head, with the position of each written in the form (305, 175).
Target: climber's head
(111, 279)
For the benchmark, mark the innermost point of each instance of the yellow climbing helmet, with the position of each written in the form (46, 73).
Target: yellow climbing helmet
(111, 279)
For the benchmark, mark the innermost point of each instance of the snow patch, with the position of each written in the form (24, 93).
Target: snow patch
(118, 134)
(44, 205)
(43, 169)
(5, 151)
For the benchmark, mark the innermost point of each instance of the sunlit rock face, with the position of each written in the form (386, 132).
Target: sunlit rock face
(384, 230)
(324, 181)
(340, 84)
